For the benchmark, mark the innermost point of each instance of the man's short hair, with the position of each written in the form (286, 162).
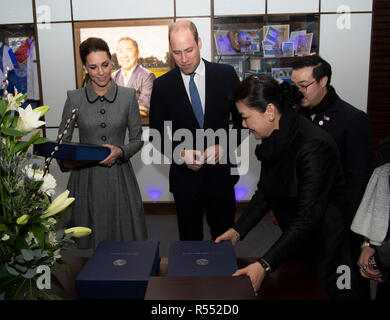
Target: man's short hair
(321, 68)
(135, 44)
(187, 24)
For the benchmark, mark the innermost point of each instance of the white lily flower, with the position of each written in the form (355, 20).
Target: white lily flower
(12, 103)
(49, 182)
(59, 204)
(28, 119)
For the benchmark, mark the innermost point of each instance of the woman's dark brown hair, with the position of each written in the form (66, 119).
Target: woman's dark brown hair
(92, 45)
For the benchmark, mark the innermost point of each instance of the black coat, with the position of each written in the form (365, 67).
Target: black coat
(351, 130)
(302, 182)
(170, 102)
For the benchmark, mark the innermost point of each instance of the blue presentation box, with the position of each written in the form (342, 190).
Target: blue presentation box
(201, 258)
(119, 270)
(72, 151)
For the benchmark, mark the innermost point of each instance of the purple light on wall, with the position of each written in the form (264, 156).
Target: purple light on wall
(154, 194)
(240, 193)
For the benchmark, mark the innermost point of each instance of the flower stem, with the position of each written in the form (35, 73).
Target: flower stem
(2, 196)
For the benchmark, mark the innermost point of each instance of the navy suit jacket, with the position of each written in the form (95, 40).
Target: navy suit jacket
(170, 102)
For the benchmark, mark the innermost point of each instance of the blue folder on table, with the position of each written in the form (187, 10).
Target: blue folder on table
(201, 258)
(72, 151)
(119, 270)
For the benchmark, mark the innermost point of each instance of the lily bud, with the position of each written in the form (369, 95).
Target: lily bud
(59, 204)
(23, 219)
(78, 232)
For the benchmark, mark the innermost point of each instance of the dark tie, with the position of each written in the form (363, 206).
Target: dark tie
(195, 101)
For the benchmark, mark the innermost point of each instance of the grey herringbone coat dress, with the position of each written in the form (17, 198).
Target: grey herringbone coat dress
(108, 199)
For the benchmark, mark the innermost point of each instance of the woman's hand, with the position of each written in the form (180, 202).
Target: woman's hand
(231, 235)
(255, 272)
(366, 269)
(114, 154)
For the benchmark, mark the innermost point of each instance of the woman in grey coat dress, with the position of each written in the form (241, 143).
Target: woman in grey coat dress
(108, 198)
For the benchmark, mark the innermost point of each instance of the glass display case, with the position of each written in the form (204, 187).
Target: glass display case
(266, 43)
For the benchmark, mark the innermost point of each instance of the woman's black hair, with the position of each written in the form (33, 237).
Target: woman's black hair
(92, 45)
(260, 90)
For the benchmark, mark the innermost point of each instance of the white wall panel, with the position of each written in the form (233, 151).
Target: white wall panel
(204, 30)
(348, 52)
(353, 5)
(288, 6)
(57, 67)
(234, 7)
(185, 8)
(119, 9)
(247, 185)
(16, 11)
(53, 10)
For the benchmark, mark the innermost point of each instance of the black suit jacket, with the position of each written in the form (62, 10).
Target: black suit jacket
(170, 102)
(302, 182)
(351, 130)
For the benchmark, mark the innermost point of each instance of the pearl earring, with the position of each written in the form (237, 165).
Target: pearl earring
(271, 118)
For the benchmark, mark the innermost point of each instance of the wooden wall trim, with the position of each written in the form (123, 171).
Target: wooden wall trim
(378, 107)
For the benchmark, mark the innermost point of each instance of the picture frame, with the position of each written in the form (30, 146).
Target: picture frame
(288, 49)
(151, 36)
(304, 44)
(282, 74)
(282, 35)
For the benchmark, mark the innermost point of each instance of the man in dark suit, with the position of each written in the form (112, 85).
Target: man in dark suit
(349, 126)
(194, 96)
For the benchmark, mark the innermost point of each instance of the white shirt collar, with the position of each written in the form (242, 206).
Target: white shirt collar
(200, 70)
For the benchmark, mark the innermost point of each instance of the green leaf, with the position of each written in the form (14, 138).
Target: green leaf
(28, 255)
(41, 140)
(12, 271)
(22, 98)
(34, 136)
(37, 220)
(12, 132)
(3, 107)
(30, 273)
(21, 243)
(19, 268)
(3, 227)
(39, 233)
(37, 253)
(22, 146)
(14, 122)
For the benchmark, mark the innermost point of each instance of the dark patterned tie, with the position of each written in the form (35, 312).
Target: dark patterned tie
(195, 101)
